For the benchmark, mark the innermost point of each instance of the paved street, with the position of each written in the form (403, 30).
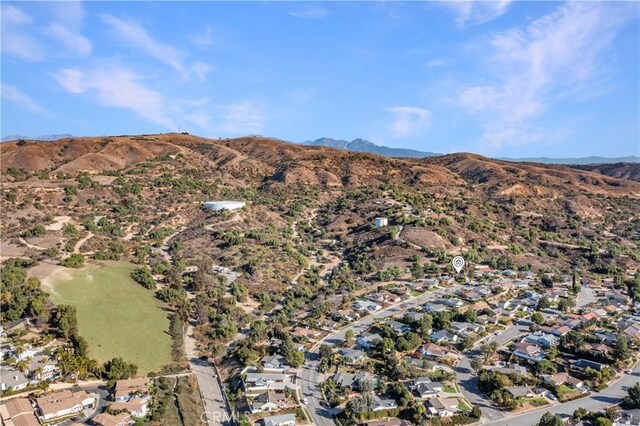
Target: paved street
(216, 411)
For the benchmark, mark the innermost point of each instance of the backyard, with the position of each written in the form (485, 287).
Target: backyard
(117, 316)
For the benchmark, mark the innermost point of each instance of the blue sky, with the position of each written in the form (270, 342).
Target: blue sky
(501, 78)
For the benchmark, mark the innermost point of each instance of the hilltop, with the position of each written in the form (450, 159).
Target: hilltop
(147, 187)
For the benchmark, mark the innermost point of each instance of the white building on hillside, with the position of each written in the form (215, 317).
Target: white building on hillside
(224, 205)
(379, 222)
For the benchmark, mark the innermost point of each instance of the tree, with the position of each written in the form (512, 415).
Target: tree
(326, 351)
(549, 419)
(545, 366)
(476, 364)
(118, 369)
(76, 260)
(489, 349)
(66, 321)
(349, 336)
(543, 303)
(579, 414)
(621, 349)
(358, 406)
(295, 358)
(603, 421)
(143, 277)
(632, 400)
(537, 318)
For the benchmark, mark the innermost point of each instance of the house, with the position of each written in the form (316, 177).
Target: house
(367, 340)
(541, 339)
(305, 332)
(380, 404)
(398, 327)
(413, 316)
(442, 407)
(63, 403)
(256, 383)
(223, 205)
(348, 315)
(600, 350)
(511, 369)
(137, 406)
(281, 420)
(375, 297)
(18, 412)
(466, 327)
(269, 401)
(353, 381)
(275, 363)
(582, 364)
(560, 330)
(424, 387)
(127, 389)
(628, 418)
(563, 378)
(380, 222)
(487, 319)
(389, 297)
(434, 308)
(528, 352)
(443, 336)
(431, 350)
(454, 302)
(41, 367)
(633, 331)
(366, 305)
(520, 391)
(12, 380)
(106, 419)
(353, 355)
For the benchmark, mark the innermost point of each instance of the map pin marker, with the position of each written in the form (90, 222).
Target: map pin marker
(458, 263)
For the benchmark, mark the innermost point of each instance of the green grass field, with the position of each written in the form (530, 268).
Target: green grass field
(117, 316)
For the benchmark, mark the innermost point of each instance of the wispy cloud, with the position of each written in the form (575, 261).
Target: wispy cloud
(115, 86)
(201, 70)
(16, 96)
(136, 36)
(550, 60)
(243, 118)
(408, 121)
(74, 42)
(310, 13)
(16, 38)
(471, 13)
(204, 39)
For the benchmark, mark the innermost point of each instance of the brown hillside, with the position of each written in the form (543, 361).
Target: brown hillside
(258, 160)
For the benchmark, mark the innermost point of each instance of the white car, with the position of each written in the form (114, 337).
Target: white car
(305, 401)
(629, 371)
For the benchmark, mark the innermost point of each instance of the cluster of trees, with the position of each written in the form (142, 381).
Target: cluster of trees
(76, 260)
(20, 295)
(143, 277)
(36, 231)
(494, 384)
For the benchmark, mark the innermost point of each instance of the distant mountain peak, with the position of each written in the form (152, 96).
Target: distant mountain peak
(46, 138)
(363, 145)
